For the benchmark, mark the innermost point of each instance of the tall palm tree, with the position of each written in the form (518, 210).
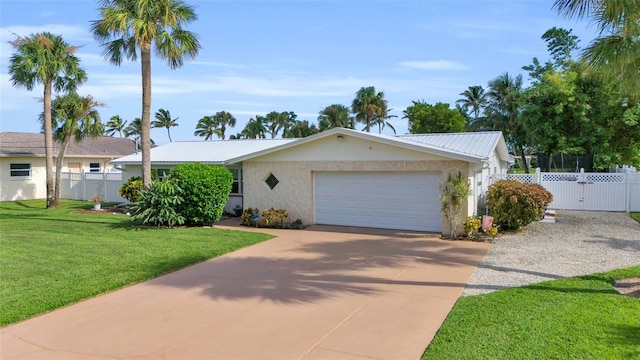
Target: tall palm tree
(474, 98)
(300, 129)
(206, 127)
(129, 26)
(74, 117)
(115, 124)
(164, 120)
(46, 59)
(504, 109)
(255, 128)
(221, 120)
(382, 120)
(367, 105)
(616, 53)
(333, 116)
(134, 130)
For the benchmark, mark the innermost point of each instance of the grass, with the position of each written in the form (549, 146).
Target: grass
(574, 318)
(52, 258)
(636, 216)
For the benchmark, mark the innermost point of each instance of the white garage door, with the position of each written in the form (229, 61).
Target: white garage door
(390, 200)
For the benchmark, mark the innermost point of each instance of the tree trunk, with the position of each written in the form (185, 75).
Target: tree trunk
(48, 144)
(59, 161)
(549, 163)
(169, 135)
(145, 129)
(525, 166)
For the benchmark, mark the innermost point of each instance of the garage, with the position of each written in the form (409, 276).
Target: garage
(390, 200)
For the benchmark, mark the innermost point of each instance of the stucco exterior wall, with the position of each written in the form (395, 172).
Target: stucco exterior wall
(294, 192)
(34, 187)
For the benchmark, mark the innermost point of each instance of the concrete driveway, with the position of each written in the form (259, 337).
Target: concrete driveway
(321, 293)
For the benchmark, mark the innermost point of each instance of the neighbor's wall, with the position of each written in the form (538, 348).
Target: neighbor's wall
(294, 192)
(30, 188)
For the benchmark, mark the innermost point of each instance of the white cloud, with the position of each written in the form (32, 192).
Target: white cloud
(68, 32)
(434, 65)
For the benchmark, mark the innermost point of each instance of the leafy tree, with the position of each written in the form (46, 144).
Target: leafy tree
(333, 116)
(616, 53)
(46, 59)
(474, 98)
(367, 105)
(115, 124)
(129, 26)
(439, 118)
(73, 117)
(255, 128)
(164, 120)
(504, 110)
(300, 129)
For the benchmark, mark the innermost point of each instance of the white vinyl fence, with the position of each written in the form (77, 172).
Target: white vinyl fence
(83, 186)
(587, 191)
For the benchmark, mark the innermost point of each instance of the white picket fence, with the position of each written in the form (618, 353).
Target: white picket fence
(83, 186)
(586, 191)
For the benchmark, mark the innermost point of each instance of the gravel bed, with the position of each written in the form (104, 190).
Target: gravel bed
(578, 243)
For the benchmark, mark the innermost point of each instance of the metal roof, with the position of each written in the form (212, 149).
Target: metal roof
(32, 145)
(479, 144)
(208, 152)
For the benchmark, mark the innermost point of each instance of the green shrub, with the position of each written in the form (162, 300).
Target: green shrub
(247, 216)
(453, 196)
(472, 226)
(157, 205)
(514, 204)
(129, 190)
(205, 189)
(274, 217)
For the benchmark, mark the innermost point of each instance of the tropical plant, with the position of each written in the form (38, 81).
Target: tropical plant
(206, 128)
(382, 120)
(514, 204)
(300, 129)
(73, 117)
(616, 52)
(164, 120)
(46, 59)
(248, 216)
(129, 26)
(453, 197)
(333, 116)
(115, 125)
(131, 188)
(220, 121)
(206, 191)
(474, 99)
(367, 105)
(255, 128)
(158, 205)
(276, 121)
(274, 217)
(425, 118)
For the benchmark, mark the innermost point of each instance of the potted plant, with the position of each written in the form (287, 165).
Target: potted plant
(96, 202)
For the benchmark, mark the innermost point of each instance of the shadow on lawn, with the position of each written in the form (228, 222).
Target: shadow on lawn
(315, 271)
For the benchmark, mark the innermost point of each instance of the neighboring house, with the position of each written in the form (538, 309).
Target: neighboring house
(346, 177)
(22, 161)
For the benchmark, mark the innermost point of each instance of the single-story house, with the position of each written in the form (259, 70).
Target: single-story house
(346, 177)
(23, 164)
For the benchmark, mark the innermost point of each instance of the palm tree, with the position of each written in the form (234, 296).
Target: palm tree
(134, 130)
(382, 120)
(164, 120)
(333, 116)
(255, 128)
(616, 54)
(474, 98)
(206, 127)
(46, 59)
(115, 124)
(300, 129)
(221, 120)
(367, 105)
(129, 26)
(76, 117)
(504, 109)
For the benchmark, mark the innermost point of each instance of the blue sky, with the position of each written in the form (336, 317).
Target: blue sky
(261, 56)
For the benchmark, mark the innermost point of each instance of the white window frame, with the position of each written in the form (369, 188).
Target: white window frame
(19, 177)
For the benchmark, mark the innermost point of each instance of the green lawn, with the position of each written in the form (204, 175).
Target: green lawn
(636, 216)
(573, 318)
(51, 258)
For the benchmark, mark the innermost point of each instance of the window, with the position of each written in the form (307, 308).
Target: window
(94, 167)
(271, 181)
(20, 170)
(159, 174)
(236, 186)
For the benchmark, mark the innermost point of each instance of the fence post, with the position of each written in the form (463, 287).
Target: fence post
(537, 179)
(627, 191)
